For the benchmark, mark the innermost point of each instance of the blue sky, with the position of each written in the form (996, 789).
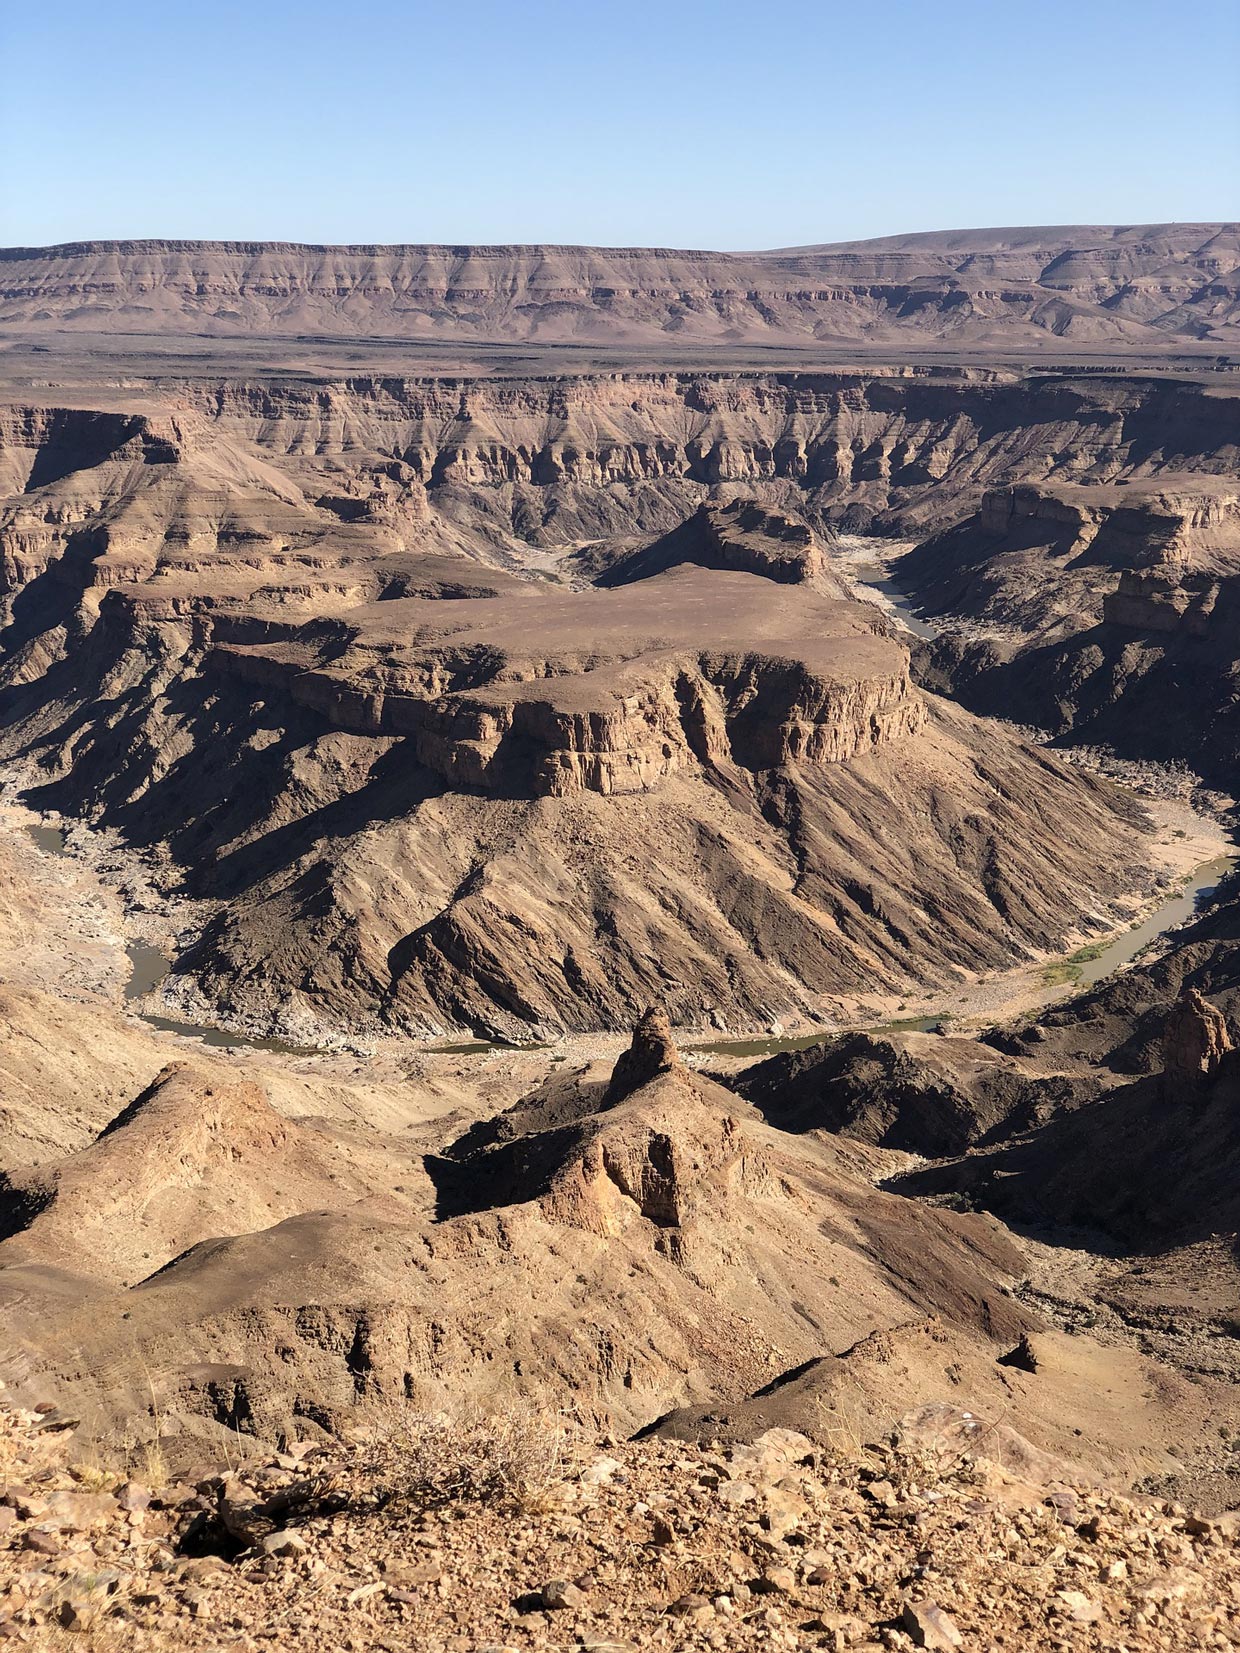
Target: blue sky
(728, 125)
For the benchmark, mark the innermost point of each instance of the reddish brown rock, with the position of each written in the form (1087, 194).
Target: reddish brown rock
(653, 1051)
(1195, 1041)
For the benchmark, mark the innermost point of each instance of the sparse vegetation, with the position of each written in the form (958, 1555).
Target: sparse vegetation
(513, 1458)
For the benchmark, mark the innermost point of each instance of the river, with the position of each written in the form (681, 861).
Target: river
(863, 563)
(148, 967)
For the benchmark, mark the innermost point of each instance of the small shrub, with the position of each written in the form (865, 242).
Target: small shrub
(515, 1458)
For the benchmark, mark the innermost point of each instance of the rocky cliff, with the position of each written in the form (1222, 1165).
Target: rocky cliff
(1139, 286)
(494, 468)
(522, 807)
(453, 784)
(740, 536)
(538, 695)
(1116, 607)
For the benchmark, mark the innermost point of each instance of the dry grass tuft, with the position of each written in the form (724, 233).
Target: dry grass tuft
(514, 1457)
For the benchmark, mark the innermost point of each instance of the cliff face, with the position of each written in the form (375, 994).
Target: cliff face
(1095, 284)
(885, 445)
(1124, 603)
(493, 467)
(1049, 558)
(534, 694)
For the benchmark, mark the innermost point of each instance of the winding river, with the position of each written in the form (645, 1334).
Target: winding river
(860, 567)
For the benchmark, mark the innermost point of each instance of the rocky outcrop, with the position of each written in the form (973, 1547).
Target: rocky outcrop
(1153, 602)
(742, 537)
(1195, 1041)
(652, 1052)
(928, 1094)
(1115, 607)
(546, 695)
(1052, 559)
(652, 1252)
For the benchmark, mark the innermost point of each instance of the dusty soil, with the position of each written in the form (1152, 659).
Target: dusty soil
(456, 1539)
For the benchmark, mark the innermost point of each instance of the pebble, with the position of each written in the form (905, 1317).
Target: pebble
(560, 1594)
(282, 1543)
(929, 1626)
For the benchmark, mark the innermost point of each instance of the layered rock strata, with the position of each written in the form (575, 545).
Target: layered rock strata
(1116, 608)
(452, 787)
(1094, 284)
(546, 695)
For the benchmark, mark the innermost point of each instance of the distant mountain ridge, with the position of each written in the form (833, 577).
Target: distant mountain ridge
(1146, 288)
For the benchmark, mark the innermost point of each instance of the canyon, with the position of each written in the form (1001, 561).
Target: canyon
(497, 748)
(429, 625)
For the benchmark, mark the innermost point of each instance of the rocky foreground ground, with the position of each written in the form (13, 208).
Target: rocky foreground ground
(496, 1535)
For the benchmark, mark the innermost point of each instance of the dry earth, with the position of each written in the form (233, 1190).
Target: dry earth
(390, 701)
(513, 1537)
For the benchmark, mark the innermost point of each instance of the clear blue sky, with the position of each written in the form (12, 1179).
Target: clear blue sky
(673, 123)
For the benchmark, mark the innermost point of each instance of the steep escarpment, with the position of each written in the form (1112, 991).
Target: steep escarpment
(509, 471)
(1114, 287)
(1035, 554)
(563, 459)
(1124, 601)
(536, 694)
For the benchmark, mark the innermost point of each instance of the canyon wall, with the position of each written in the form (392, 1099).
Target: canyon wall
(1142, 287)
(490, 467)
(485, 703)
(1106, 615)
